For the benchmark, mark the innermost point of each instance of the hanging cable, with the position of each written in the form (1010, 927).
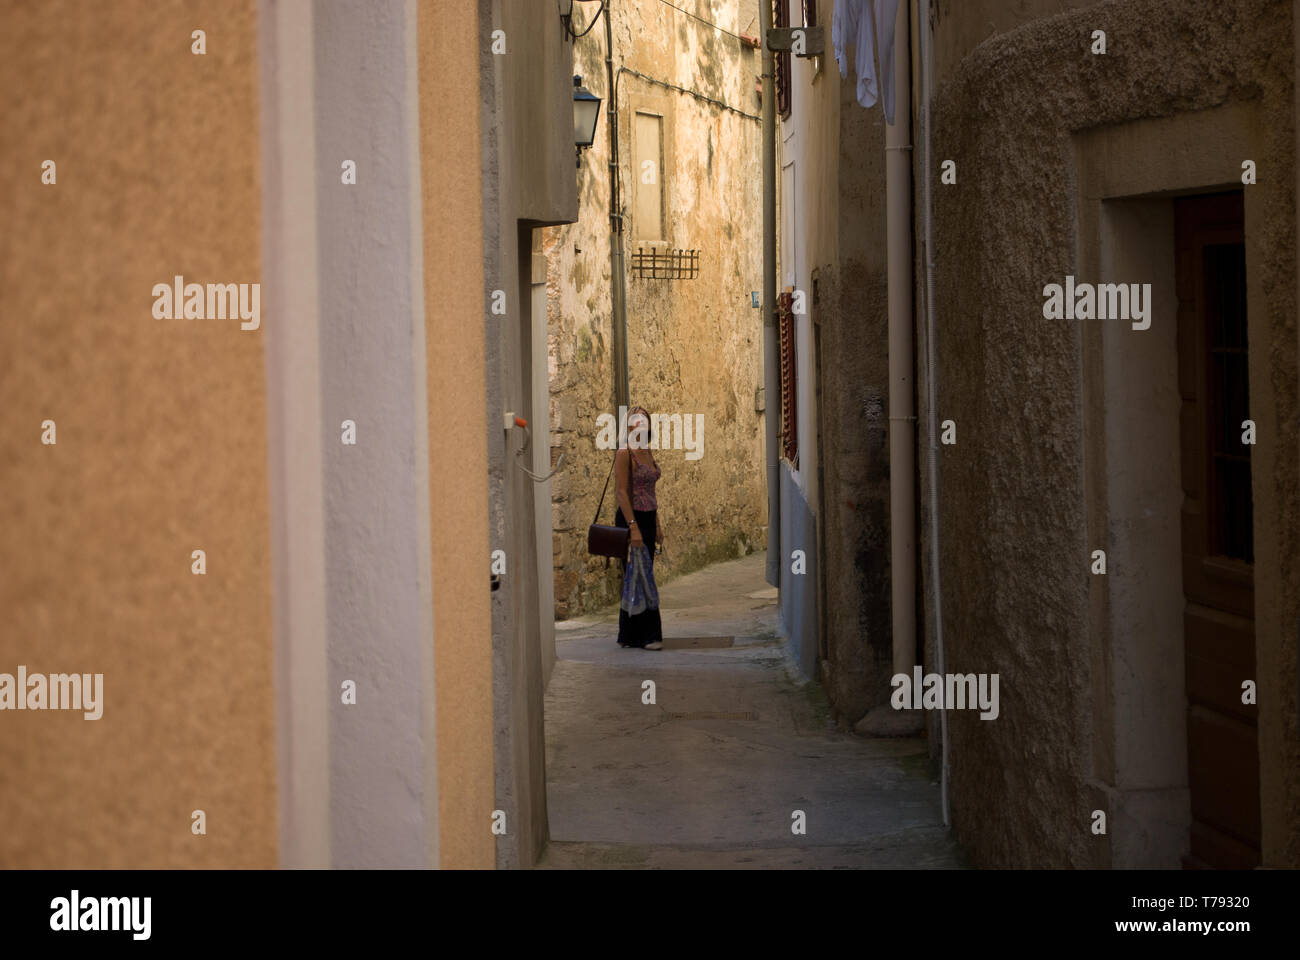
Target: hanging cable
(707, 23)
(594, 20)
(693, 93)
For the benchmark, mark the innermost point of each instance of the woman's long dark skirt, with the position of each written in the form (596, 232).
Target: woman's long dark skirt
(645, 627)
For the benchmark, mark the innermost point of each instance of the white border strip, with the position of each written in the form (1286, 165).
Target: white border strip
(294, 459)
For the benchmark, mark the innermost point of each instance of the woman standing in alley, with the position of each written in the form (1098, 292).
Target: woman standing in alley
(637, 471)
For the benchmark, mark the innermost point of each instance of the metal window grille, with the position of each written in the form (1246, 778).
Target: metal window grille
(666, 264)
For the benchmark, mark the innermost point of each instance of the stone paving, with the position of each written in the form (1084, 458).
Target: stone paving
(711, 774)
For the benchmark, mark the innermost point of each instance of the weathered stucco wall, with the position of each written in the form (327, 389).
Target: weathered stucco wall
(1012, 498)
(694, 346)
(962, 25)
(855, 419)
(161, 444)
(528, 181)
(835, 253)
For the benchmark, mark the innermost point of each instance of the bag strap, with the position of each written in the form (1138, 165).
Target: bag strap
(605, 489)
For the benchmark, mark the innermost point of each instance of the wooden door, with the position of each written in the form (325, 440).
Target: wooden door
(1217, 532)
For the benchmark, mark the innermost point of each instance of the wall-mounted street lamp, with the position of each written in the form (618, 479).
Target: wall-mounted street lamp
(586, 111)
(566, 17)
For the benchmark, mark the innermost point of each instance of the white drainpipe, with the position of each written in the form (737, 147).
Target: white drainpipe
(902, 394)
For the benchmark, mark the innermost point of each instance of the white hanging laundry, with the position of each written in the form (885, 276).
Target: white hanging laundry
(886, 20)
(844, 30)
(869, 26)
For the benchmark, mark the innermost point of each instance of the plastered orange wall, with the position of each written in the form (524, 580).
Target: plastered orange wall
(450, 171)
(160, 430)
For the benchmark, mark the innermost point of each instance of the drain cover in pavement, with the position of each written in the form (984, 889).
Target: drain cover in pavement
(688, 643)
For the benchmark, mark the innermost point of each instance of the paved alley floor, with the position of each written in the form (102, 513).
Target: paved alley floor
(710, 775)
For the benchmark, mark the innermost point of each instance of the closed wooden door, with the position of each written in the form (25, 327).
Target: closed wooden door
(1217, 532)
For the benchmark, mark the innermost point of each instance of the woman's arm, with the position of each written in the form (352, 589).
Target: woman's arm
(659, 523)
(623, 470)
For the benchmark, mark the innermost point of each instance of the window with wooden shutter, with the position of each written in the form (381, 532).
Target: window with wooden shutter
(647, 182)
(789, 436)
(781, 21)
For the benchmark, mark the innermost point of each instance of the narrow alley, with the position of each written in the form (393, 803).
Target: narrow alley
(710, 775)
(650, 434)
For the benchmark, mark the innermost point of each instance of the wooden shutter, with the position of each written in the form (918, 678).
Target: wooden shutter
(1217, 532)
(782, 20)
(789, 437)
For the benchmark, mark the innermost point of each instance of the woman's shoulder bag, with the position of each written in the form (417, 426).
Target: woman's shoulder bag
(605, 540)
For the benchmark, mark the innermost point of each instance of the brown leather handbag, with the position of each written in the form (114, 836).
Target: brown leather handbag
(604, 540)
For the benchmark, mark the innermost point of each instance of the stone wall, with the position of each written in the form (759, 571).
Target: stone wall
(694, 346)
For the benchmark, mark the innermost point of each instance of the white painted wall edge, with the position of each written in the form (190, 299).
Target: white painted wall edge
(296, 497)
(419, 357)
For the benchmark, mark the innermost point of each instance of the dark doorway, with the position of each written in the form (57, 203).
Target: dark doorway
(1217, 532)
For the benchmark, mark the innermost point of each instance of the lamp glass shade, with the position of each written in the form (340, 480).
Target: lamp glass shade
(586, 110)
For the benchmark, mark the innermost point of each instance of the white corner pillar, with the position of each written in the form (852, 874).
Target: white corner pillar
(345, 342)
